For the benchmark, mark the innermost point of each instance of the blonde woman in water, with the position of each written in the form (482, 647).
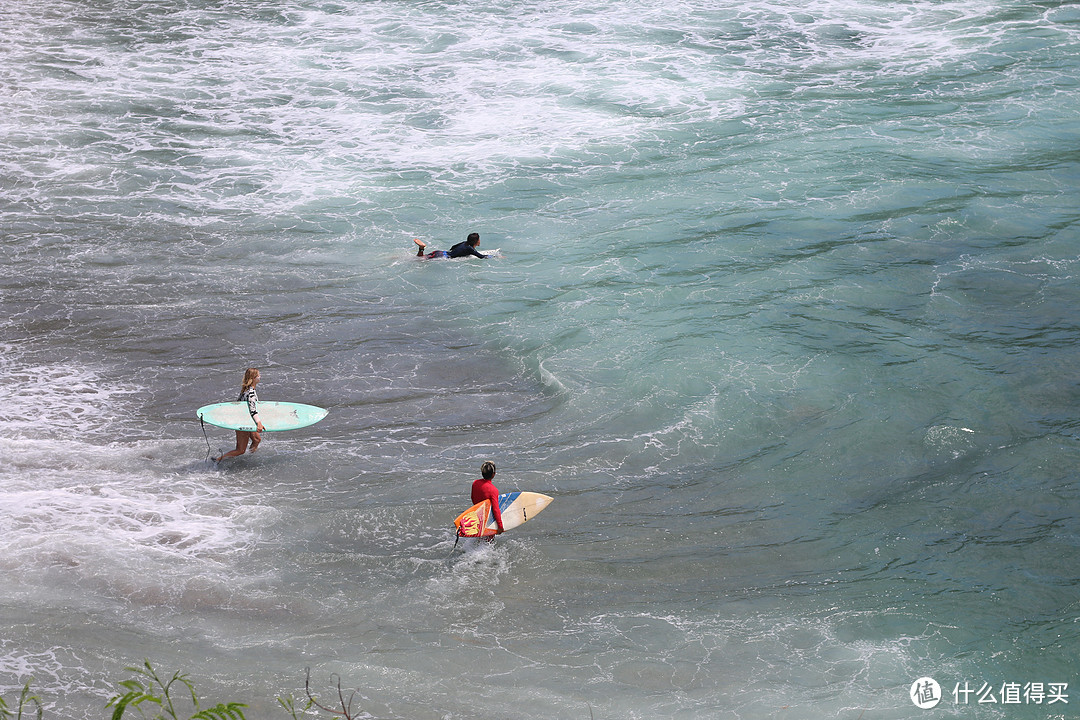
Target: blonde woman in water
(243, 437)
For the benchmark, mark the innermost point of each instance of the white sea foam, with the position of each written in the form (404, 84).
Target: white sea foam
(102, 516)
(330, 107)
(100, 512)
(48, 673)
(719, 332)
(60, 399)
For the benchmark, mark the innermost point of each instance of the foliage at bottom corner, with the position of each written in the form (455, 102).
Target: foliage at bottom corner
(150, 696)
(151, 690)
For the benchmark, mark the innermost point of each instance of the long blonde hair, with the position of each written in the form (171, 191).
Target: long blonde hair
(249, 378)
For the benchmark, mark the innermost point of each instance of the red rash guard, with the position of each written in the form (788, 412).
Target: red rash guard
(485, 490)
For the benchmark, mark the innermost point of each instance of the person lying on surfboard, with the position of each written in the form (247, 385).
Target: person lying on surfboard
(462, 249)
(243, 437)
(483, 489)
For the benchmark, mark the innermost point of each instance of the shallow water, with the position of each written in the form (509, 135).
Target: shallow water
(784, 318)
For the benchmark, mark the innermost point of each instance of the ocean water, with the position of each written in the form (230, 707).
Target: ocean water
(785, 317)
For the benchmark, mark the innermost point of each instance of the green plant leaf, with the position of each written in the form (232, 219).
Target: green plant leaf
(135, 698)
(230, 711)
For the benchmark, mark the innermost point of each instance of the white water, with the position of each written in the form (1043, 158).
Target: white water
(784, 318)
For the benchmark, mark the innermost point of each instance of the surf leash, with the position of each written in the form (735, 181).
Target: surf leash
(203, 424)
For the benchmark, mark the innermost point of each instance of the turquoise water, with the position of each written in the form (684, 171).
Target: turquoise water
(784, 317)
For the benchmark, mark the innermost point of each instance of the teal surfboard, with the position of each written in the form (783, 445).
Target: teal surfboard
(274, 415)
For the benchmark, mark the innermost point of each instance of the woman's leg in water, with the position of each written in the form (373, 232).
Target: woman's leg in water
(242, 438)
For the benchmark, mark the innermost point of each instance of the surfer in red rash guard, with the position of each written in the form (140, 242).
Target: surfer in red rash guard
(483, 489)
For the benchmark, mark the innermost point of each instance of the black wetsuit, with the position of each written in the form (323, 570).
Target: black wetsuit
(462, 249)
